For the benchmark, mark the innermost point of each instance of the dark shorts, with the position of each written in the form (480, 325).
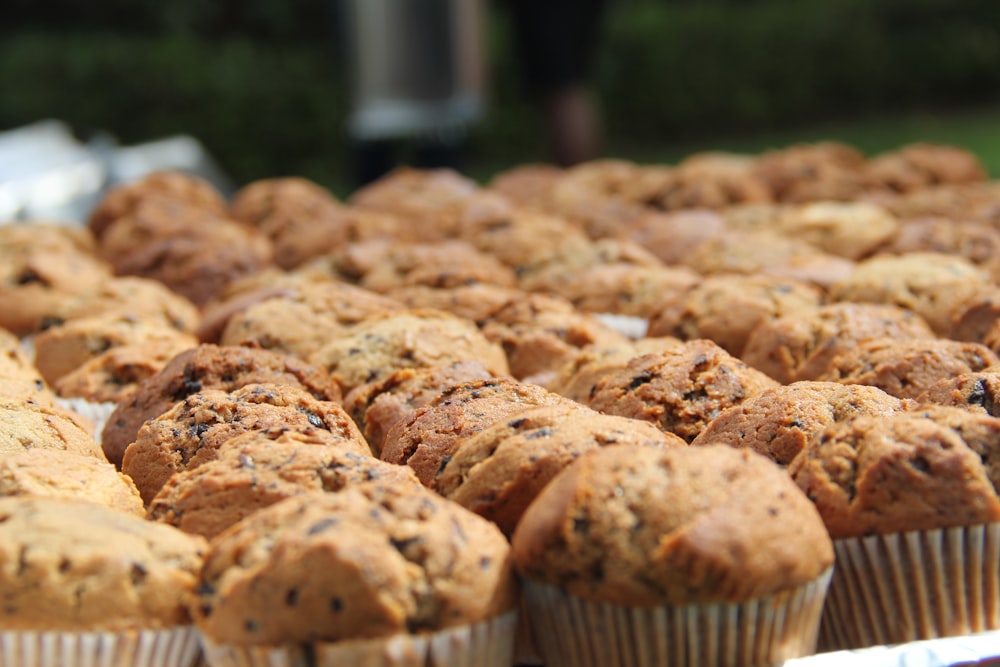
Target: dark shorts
(555, 41)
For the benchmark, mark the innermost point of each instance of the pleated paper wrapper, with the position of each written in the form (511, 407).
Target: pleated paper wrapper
(572, 632)
(485, 644)
(172, 647)
(904, 587)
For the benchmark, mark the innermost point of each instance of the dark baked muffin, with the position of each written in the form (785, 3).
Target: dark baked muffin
(405, 339)
(207, 367)
(974, 316)
(905, 368)
(122, 200)
(929, 284)
(921, 165)
(395, 565)
(259, 468)
(300, 320)
(576, 378)
(426, 440)
(377, 406)
(498, 471)
(978, 392)
(650, 542)
(190, 433)
(301, 218)
(30, 424)
(725, 308)
(779, 422)
(57, 473)
(847, 229)
(800, 346)
(192, 251)
(680, 389)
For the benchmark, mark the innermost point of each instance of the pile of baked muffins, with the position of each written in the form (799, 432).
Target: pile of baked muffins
(733, 411)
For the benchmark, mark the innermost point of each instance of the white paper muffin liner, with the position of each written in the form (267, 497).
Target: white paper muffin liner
(627, 325)
(572, 632)
(96, 411)
(891, 589)
(485, 644)
(170, 647)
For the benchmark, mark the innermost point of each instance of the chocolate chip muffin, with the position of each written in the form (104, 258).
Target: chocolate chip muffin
(425, 197)
(822, 171)
(57, 473)
(977, 392)
(800, 346)
(377, 406)
(260, 468)
(427, 439)
(477, 302)
(627, 289)
(671, 236)
(576, 378)
(383, 344)
(920, 165)
(300, 320)
(443, 264)
(846, 229)
(28, 424)
(698, 186)
(207, 367)
(190, 433)
(680, 389)
(373, 561)
(905, 368)
(132, 297)
(18, 376)
(974, 316)
(526, 184)
(522, 239)
(779, 422)
(80, 567)
(929, 284)
(978, 242)
(725, 308)
(498, 471)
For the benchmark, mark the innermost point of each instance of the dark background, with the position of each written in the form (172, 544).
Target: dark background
(260, 82)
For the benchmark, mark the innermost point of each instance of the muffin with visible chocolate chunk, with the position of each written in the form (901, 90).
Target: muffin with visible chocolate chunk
(577, 378)
(443, 264)
(847, 229)
(300, 320)
(132, 297)
(679, 389)
(978, 392)
(18, 376)
(476, 302)
(671, 236)
(374, 574)
(523, 239)
(190, 433)
(725, 308)
(84, 584)
(905, 368)
(498, 471)
(207, 367)
(822, 171)
(376, 348)
(694, 185)
(260, 468)
(377, 406)
(779, 422)
(801, 345)
(892, 489)
(706, 545)
(58, 473)
(427, 439)
(930, 284)
(978, 242)
(920, 165)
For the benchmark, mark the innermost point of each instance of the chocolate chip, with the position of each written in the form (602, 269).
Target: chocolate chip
(322, 525)
(921, 464)
(642, 378)
(292, 597)
(539, 433)
(337, 605)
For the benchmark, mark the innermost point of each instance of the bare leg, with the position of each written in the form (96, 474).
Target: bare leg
(573, 121)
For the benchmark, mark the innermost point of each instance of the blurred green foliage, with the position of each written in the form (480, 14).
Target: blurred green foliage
(260, 82)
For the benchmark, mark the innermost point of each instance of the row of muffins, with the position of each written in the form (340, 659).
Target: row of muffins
(713, 381)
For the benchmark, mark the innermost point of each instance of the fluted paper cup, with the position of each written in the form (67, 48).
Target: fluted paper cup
(572, 632)
(903, 587)
(171, 647)
(486, 644)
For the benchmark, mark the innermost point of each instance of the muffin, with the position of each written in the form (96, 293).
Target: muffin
(698, 186)
(26, 424)
(920, 165)
(910, 500)
(725, 308)
(260, 468)
(680, 389)
(427, 439)
(978, 242)
(132, 297)
(376, 348)
(60, 473)
(522, 239)
(822, 171)
(498, 471)
(377, 406)
(86, 584)
(477, 302)
(206, 367)
(671, 236)
(974, 316)
(905, 368)
(801, 345)
(577, 378)
(443, 264)
(190, 433)
(978, 392)
(375, 574)
(712, 546)
(847, 229)
(779, 422)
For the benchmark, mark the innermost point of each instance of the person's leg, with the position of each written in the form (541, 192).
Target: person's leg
(574, 125)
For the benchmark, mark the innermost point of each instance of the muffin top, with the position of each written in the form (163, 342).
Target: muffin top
(779, 422)
(645, 526)
(916, 470)
(847, 229)
(63, 474)
(371, 561)
(28, 424)
(190, 433)
(498, 471)
(77, 566)
(259, 468)
(207, 366)
(978, 392)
